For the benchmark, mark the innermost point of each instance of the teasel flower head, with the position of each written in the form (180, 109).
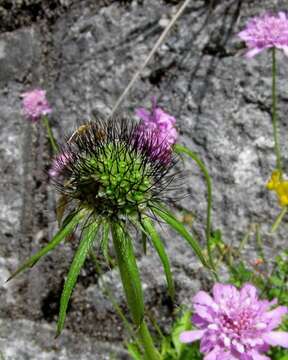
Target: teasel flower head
(111, 177)
(112, 169)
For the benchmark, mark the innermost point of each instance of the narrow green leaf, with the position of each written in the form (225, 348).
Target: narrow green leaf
(83, 249)
(157, 243)
(129, 272)
(180, 228)
(105, 242)
(60, 236)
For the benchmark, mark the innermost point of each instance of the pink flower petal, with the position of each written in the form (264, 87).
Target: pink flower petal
(276, 338)
(143, 114)
(191, 336)
(282, 15)
(251, 53)
(224, 293)
(214, 354)
(248, 291)
(256, 356)
(202, 298)
(274, 317)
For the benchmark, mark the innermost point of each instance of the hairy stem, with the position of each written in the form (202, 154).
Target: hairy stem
(274, 113)
(132, 287)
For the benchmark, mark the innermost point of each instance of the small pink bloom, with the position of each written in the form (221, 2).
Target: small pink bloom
(159, 127)
(235, 324)
(59, 163)
(35, 104)
(266, 31)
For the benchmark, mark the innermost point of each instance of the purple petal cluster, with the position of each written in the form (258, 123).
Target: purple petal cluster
(159, 127)
(235, 324)
(35, 104)
(266, 31)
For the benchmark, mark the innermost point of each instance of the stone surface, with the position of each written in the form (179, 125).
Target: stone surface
(84, 53)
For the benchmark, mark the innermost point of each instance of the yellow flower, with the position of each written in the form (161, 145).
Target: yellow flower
(274, 180)
(280, 186)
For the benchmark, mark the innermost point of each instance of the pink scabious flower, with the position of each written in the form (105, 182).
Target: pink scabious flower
(159, 127)
(59, 163)
(235, 324)
(266, 31)
(35, 104)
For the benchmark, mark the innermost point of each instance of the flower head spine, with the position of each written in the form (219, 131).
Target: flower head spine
(60, 162)
(235, 324)
(264, 32)
(35, 104)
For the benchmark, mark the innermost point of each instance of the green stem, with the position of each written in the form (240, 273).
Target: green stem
(50, 135)
(132, 287)
(259, 242)
(182, 149)
(107, 292)
(279, 219)
(274, 112)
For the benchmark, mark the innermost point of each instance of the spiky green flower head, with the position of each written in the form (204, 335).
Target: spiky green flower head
(113, 170)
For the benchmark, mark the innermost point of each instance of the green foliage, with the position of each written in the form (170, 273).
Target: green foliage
(173, 349)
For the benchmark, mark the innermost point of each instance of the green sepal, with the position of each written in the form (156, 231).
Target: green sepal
(60, 236)
(158, 245)
(84, 247)
(129, 272)
(175, 224)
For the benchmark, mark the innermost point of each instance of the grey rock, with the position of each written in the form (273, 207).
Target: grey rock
(84, 53)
